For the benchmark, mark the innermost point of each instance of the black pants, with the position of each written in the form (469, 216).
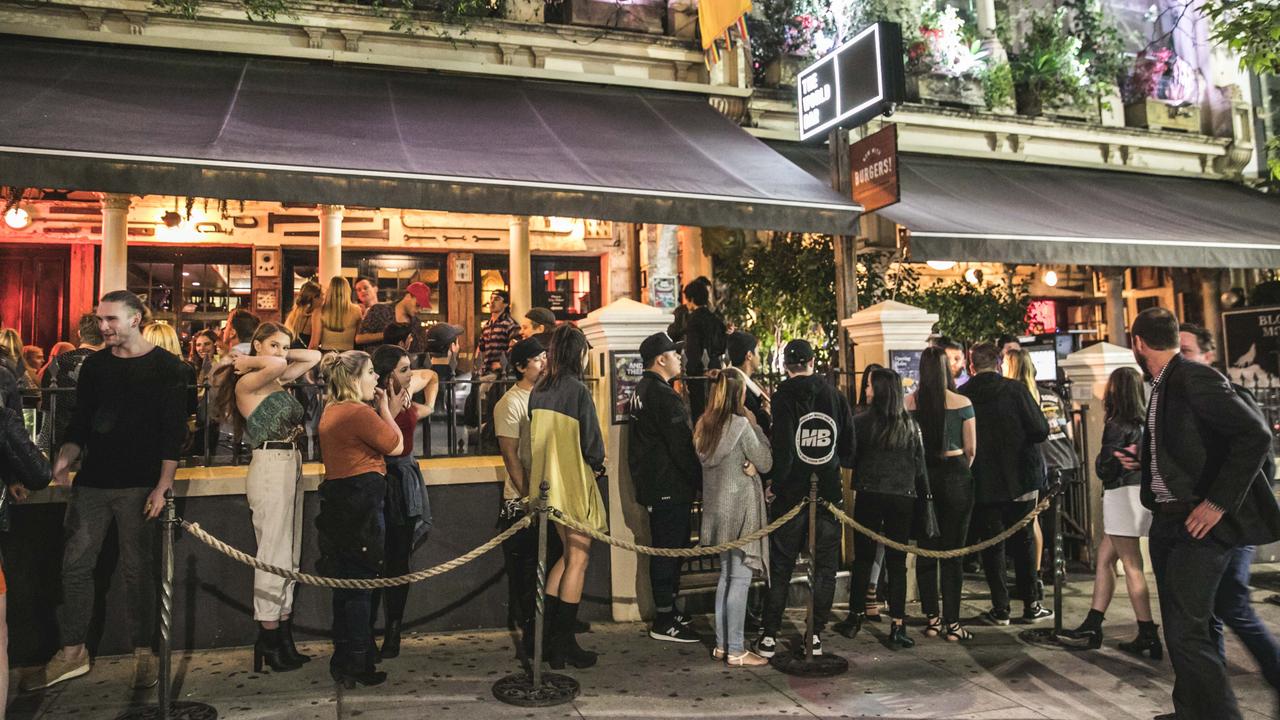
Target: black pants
(889, 515)
(352, 539)
(399, 547)
(785, 545)
(668, 528)
(992, 520)
(520, 561)
(952, 487)
(1188, 574)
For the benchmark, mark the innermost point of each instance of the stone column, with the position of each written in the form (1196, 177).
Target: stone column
(1117, 331)
(987, 30)
(1211, 305)
(620, 327)
(331, 244)
(519, 266)
(1089, 369)
(885, 327)
(113, 271)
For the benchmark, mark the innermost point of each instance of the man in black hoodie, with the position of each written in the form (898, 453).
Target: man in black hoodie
(704, 341)
(1008, 470)
(812, 436)
(667, 475)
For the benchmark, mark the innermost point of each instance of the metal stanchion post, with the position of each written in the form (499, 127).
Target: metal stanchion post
(806, 664)
(166, 708)
(1053, 637)
(536, 688)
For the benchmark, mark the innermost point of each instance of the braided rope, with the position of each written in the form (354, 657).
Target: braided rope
(572, 524)
(939, 554)
(353, 583)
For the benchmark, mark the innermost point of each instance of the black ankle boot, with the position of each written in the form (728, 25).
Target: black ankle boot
(391, 640)
(270, 649)
(898, 636)
(1148, 641)
(550, 609)
(1090, 629)
(851, 626)
(356, 669)
(564, 644)
(286, 633)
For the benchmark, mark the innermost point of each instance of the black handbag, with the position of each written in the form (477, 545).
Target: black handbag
(924, 523)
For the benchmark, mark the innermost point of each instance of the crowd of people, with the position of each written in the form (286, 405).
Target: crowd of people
(933, 462)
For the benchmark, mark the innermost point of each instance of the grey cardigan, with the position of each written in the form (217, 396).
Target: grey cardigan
(732, 501)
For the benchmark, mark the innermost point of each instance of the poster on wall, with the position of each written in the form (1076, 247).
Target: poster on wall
(627, 371)
(665, 293)
(1251, 345)
(907, 364)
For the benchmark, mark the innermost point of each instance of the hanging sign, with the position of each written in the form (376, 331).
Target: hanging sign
(873, 162)
(855, 82)
(1251, 347)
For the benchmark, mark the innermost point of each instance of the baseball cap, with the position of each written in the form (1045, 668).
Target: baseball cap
(542, 316)
(420, 292)
(655, 345)
(441, 335)
(797, 352)
(525, 350)
(738, 344)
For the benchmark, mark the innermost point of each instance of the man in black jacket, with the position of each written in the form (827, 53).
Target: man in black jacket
(667, 475)
(741, 347)
(812, 436)
(1201, 458)
(1008, 471)
(1233, 605)
(704, 341)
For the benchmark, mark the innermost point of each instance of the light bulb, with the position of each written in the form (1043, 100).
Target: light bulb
(17, 218)
(941, 265)
(973, 275)
(1050, 278)
(195, 283)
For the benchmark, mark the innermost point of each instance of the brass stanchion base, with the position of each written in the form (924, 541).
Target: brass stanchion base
(518, 689)
(1049, 638)
(795, 663)
(181, 710)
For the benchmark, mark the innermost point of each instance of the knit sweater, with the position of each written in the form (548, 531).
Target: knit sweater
(732, 501)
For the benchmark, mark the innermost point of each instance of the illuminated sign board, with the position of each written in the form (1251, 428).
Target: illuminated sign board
(857, 81)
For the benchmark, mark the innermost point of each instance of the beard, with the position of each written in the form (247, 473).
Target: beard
(1142, 363)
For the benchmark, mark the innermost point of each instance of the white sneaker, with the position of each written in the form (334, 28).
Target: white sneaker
(817, 645)
(59, 669)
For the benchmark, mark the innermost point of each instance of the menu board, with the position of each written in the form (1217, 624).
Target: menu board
(628, 368)
(907, 364)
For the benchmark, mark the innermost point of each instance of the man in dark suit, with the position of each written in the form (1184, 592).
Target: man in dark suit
(1201, 460)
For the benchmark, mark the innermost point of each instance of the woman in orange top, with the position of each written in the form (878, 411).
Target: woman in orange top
(354, 438)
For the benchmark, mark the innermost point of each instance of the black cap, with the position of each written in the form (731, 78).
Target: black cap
(738, 344)
(542, 316)
(797, 352)
(525, 350)
(655, 345)
(440, 336)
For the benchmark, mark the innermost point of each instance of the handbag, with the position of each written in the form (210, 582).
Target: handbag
(924, 522)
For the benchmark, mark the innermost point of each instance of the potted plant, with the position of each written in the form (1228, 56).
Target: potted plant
(1161, 91)
(789, 35)
(945, 63)
(1048, 72)
(1102, 52)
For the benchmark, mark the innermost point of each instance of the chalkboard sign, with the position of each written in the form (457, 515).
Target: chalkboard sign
(627, 371)
(1251, 347)
(907, 364)
(557, 301)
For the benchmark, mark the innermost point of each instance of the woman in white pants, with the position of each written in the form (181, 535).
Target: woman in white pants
(250, 394)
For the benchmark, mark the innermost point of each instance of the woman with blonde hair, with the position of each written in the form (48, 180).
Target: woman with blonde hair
(166, 338)
(12, 376)
(334, 326)
(249, 392)
(568, 453)
(354, 441)
(734, 451)
(304, 306)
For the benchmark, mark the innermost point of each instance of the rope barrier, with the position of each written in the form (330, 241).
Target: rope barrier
(940, 554)
(743, 541)
(354, 583)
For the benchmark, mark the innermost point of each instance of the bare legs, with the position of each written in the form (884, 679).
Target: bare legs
(566, 578)
(1128, 552)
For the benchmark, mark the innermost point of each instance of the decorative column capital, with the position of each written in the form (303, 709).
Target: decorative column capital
(332, 209)
(116, 201)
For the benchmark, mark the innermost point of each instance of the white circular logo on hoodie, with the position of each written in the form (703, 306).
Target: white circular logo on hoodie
(816, 438)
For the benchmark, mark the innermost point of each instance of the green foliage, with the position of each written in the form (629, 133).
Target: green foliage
(1101, 47)
(1249, 28)
(974, 312)
(781, 289)
(1048, 66)
(997, 85)
(882, 277)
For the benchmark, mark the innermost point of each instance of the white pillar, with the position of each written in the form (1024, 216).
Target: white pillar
(1117, 333)
(518, 263)
(330, 244)
(113, 273)
(987, 30)
(620, 327)
(1088, 370)
(885, 327)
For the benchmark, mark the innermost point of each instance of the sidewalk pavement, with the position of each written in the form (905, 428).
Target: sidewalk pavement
(450, 676)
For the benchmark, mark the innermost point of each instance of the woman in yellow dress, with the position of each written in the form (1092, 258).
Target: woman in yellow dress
(568, 453)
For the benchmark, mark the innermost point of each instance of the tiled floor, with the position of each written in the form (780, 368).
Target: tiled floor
(995, 676)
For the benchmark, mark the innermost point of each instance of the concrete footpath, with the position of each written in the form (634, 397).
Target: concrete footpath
(450, 676)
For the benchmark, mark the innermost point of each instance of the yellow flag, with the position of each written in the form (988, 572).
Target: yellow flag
(715, 17)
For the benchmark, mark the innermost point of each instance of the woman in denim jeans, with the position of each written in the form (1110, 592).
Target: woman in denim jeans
(733, 451)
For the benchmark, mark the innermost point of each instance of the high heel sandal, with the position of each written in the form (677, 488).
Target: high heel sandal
(933, 628)
(955, 633)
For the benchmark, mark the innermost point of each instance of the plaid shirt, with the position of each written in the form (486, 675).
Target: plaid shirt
(495, 340)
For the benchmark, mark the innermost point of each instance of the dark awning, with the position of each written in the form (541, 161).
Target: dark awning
(145, 121)
(987, 210)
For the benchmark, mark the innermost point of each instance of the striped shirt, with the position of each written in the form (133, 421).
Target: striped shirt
(495, 340)
(1158, 485)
